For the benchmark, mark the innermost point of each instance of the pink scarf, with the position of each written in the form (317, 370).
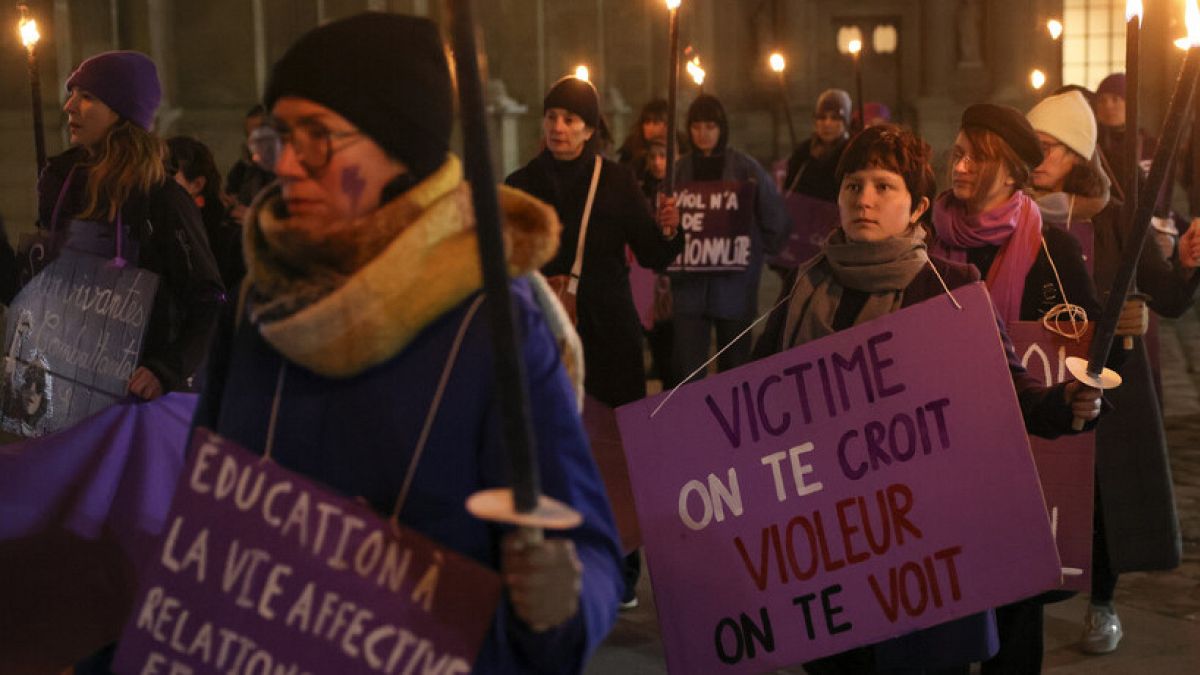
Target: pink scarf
(1015, 226)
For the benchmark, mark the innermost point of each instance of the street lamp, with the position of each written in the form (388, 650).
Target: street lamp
(1055, 28)
(1037, 79)
(672, 90)
(855, 47)
(778, 65)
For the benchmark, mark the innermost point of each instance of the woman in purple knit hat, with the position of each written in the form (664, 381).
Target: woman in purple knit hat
(110, 190)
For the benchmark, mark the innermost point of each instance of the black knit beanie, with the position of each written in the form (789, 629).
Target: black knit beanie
(385, 73)
(708, 108)
(577, 96)
(1009, 124)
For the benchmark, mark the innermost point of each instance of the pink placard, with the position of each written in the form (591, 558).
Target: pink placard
(843, 492)
(1065, 464)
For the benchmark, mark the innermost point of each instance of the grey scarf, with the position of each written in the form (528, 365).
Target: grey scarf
(882, 269)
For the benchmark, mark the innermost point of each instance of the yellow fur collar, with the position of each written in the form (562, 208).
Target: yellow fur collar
(431, 266)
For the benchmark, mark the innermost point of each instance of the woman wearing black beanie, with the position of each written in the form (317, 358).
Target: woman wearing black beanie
(562, 175)
(726, 302)
(603, 214)
(361, 300)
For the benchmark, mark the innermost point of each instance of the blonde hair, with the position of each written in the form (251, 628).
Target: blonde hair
(130, 159)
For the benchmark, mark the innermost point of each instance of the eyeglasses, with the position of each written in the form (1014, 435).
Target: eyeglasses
(312, 143)
(958, 155)
(1047, 147)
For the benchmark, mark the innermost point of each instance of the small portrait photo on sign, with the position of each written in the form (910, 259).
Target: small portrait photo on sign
(26, 389)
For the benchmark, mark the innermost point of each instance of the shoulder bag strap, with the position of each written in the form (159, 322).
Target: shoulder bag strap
(577, 267)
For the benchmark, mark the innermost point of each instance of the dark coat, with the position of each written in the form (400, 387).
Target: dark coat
(357, 435)
(733, 295)
(608, 321)
(245, 180)
(1133, 470)
(814, 176)
(1042, 291)
(173, 245)
(225, 241)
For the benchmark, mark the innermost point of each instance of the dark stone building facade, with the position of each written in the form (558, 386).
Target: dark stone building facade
(214, 55)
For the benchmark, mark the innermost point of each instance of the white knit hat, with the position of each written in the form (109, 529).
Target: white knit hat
(1069, 118)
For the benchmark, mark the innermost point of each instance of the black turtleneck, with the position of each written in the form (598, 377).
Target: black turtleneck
(708, 167)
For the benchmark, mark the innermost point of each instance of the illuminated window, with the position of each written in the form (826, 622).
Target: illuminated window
(845, 35)
(1093, 40)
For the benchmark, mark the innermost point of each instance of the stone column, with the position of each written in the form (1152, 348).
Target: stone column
(1010, 54)
(937, 111)
(618, 112)
(506, 113)
(63, 52)
(260, 47)
(938, 53)
(161, 45)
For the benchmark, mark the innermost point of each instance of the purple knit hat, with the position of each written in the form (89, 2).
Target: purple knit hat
(126, 81)
(1113, 84)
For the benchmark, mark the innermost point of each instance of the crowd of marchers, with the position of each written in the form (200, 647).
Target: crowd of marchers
(323, 293)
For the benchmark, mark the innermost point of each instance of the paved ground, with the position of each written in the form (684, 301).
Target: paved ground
(1160, 611)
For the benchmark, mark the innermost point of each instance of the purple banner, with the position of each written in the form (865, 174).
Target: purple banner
(1066, 464)
(72, 339)
(812, 221)
(262, 570)
(716, 217)
(843, 492)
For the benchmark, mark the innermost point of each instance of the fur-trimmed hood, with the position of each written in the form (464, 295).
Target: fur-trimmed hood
(370, 314)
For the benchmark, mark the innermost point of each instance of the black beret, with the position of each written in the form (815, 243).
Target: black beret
(1009, 124)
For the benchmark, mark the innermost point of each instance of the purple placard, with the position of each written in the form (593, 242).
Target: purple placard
(263, 570)
(1086, 236)
(716, 217)
(1065, 464)
(776, 537)
(641, 284)
(812, 220)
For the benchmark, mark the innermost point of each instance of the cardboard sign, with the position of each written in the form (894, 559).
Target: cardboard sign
(1086, 236)
(716, 217)
(843, 492)
(73, 337)
(1065, 464)
(812, 220)
(264, 571)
